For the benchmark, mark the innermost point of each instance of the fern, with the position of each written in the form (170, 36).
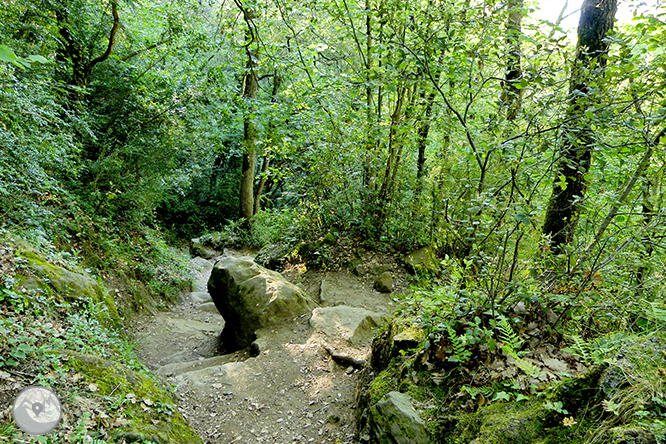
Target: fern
(511, 341)
(582, 349)
(512, 344)
(460, 353)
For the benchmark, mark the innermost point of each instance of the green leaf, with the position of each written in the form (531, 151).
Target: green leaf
(7, 55)
(503, 396)
(38, 59)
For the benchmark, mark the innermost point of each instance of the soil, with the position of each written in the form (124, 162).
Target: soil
(293, 391)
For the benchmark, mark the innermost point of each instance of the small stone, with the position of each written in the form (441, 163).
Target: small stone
(384, 282)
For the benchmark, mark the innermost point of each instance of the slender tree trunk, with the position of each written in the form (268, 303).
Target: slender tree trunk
(395, 142)
(570, 184)
(512, 93)
(262, 184)
(277, 81)
(250, 132)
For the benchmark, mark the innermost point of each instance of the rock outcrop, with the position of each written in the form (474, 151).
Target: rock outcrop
(353, 324)
(393, 420)
(250, 297)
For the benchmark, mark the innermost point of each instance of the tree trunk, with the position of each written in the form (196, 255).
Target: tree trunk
(250, 132)
(511, 92)
(71, 49)
(262, 184)
(263, 177)
(570, 184)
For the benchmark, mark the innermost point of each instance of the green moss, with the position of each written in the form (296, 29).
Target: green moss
(384, 383)
(511, 423)
(66, 285)
(460, 428)
(114, 379)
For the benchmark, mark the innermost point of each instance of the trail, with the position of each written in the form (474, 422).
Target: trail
(291, 392)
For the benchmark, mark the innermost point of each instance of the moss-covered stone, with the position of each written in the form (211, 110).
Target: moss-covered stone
(422, 260)
(393, 420)
(146, 422)
(64, 284)
(511, 423)
(629, 435)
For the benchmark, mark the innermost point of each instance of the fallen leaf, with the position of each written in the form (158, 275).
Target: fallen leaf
(557, 365)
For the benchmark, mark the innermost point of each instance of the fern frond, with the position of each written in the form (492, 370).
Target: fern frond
(511, 341)
(460, 352)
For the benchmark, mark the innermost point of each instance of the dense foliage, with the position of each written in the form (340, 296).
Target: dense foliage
(451, 123)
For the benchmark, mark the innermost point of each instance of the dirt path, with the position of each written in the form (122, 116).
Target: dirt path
(291, 392)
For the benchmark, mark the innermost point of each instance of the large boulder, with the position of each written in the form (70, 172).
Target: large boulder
(353, 324)
(393, 420)
(250, 297)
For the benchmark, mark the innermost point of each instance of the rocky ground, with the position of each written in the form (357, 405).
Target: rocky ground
(293, 391)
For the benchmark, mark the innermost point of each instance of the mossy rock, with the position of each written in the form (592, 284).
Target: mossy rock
(629, 435)
(499, 423)
(220, 240)
(273, 256)
(422, 260)
(64, 284)
(393, 420)
(114, 379)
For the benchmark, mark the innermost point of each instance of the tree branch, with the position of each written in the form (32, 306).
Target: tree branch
(112, 38)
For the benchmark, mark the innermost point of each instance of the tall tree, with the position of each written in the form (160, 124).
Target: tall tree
(570, 184)
(512, 92)
(71, 49)
(250, 131)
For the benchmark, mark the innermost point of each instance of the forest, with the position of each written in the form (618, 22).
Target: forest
(527, 160)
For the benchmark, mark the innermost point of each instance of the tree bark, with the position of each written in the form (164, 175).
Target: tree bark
(250, 131)
(570, 184)
(511, 93)
(72, 51)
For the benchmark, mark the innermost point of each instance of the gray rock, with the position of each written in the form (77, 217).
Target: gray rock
(353, 324)
(227, 375)
(325, 293)
(175, 366)
(208, 306)
(273, 256)
(197, 248)
(384, 282)
(423, 259)
(200, 297)
(200, 268)
(393, 420)
(250, 297)
(258, 346)
(409, 338)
